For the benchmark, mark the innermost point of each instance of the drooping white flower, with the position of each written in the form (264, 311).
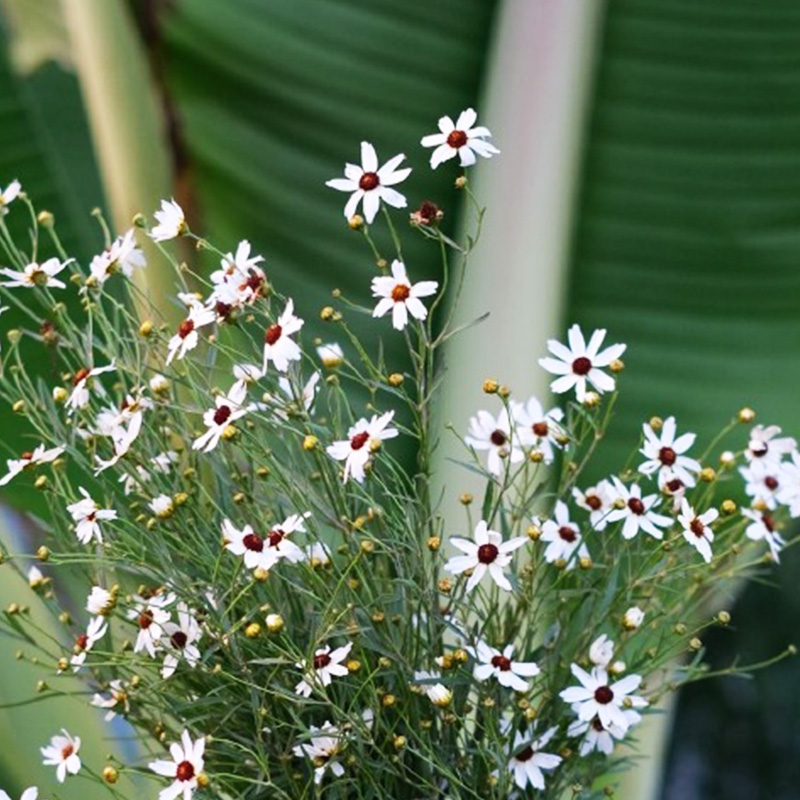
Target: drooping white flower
(527, 761)
(601, 651)
(595, 697)
(307, 395)
(637, 512)
(162, 506)
(459, 138)
(563, 538)
(86, 515)
(633, 618)
(7, 196)
(581, 363)
(279, 348)
(62, 753)
(764, 480)
(597, 736)
(762, 528)
(246, 375)
(32, 792)
(486, 553)
(497, 436)
(37, 274)
(180, 641)
(436, 692)
(171, 222)
(239, 281)
(187, 338)
(363, 439)
(117, 696)
(186, 765)
(502, 666)
(30, 459)
(228, 409)
(323, 668)
(151, 616)
(35, 577)
(318, 554)
(122, 436)
(766, 445)
(371, 184)
(123, 255)
(789, 490)
(95, 631)
(665, 454)
(100, 601)
(331, 355)
(537, 428)
(399, 296)
(597, 500)
(697, 528)
(323, 750)
(79, 397)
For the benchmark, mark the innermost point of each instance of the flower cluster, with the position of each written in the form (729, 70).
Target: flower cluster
(272, 590)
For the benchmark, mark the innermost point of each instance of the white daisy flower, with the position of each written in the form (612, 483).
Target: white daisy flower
(371, 184)
(581, 363)
(323, 750)
(62, 753)
(278, 347)
(179, 641)
(764, 446)
(228, 409)
(563, 537)
(498, 437)
(95, 631)
(186, 765)
(7, 196)
(32, 792)
(665, 454)
(598, 501)
(122, 437)
(240, 281)
(501, 665)
(187, 338)
(30, 459)
(100, 601)
(324, 667)
(537, 428)
(596, 698)
(171, 222)
(763, 481)
(637, 512)
(461, 138)
(597, 736)
(246, 543)
(487, 553)
(151, 616)
(528, 761)
(277, 545)
(363, 439)
(762, 528)
(79, 397)
(123, 255)
(697, 528)
(399, 296)
(37, 274)
(331, 355)
(117, 696)
(86, 515)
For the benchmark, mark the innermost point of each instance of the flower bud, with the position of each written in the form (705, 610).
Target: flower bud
(326, 314)
(310, 442)
(146, 328)
(466, 498)
(353, 665)
(656, 423)
(110, 774)
(632, 618)
(728, 507)
(43, 553)
(388, 700)
(591, 400)
(724, 618)
(534, 532)
(746, 415)
(695, 644)
(252, 631)
(396, 379)
(445, 585)
(708, 475)
(490, 386)
(60, 394)
(617, 365)
(159, 384)
(727, 459)
(461, 182)
(434, 543)
(274, 623)
(18, 407)
(356, 222)
(260, 574)
(40, 482)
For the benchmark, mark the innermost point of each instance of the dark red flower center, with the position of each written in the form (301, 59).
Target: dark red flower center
(275, 537)
(675, 485)
(428, 213)
(456, 139)
(369, 181)
(400, 293)
(252, 541)
(498, 438)
(540, 429)
(273, 334)
(636, 505)
(502, 663)
(487, 553)
(321, 660)
(27, 455)
(82, 641)
(667, 456)
(771, 483)
(80, 375)
(581, 366)
(760, 449)
(768, 522)
(597, 725)
(221, 415)
(185, 328)
(67, 750)
(603, 695)
(697, 527)
(359, 440)
(145, 619)
(525, 755)
(185, 771)
(254, 282)
(594, 502)
(224, 310)
(179, 639)
(567, 533)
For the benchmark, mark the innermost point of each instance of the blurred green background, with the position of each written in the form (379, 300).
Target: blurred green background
(648, 183)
